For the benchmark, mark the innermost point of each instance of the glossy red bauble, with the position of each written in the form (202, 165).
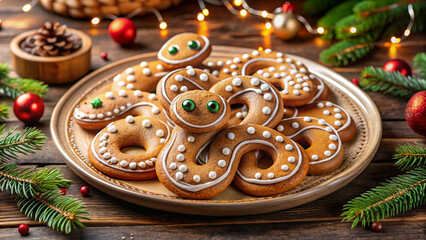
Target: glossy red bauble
(287, 7)
(23, 229)
(28, 107)
(397, 65)
(122, 31)
(84, 191)
(415, 113)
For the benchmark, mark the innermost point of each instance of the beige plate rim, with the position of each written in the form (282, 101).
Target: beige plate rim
(215, 207)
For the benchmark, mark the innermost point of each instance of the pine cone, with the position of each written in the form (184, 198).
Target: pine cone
(52, 39)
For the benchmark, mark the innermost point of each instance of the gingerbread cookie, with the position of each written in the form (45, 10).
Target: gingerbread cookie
(199, 115)
(107, 107)
(105, 150)
(184, 49)
(321, 140)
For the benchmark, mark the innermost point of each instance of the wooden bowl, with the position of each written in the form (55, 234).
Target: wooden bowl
(73, 142)
(52, 70)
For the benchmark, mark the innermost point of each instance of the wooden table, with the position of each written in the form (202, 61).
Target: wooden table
(114, 219)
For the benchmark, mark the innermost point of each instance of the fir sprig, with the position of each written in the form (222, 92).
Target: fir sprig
(23, 142)
(27, 182)
(419, 62)
(61, 213)
(4, 112)
(397, 195)
(410, 156)
(377, 79)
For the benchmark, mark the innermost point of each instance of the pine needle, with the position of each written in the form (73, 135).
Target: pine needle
(4, 112)
(410, 156)
(20, 142)
(13, 87)
(397, 195)
(419, 62)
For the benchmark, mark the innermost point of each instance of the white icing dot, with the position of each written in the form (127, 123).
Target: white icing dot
(288, 147)
(266, 110)
(259, 72)
(112, 129)
(122, 108)
(221, 163)
(230, 136)
(173, 166)
(289, 60)
(300, 80)
(102, 150)
(327, 153)
(100, 116)
(314, 157)
(180, 157)
(152, 96)
(109, 114)
(160, 67)
(280, 54)
(113, 160)
(338, 116)
(307, 119)
(277, 75)
(228, 62)
(332, 137)
(255, 53)
(266, 134)
(279, 139)
(159, 133)
(322, 122)
(268, 50)
(105, 135)
(332, 146)
(306, 89)
(183, 168)
(337, 123)
(124, 163)
(212, 175)
(236, 82)
(326, 112)
(129, 71)
(130, 86)
(122, 93)
(329, 104)
(116, 110)
(258, 91)
(130, 119)
(294, 71)
(226, 151)
(215, 73)
(210, 64)
(181, 148)
(204, 77)
(103, 144)
(153, 159)
(228, 88)
(178, 77)
(132, 165)
(267, 97)
(162, 140)
(196, 178)
(131, 78)
(328, 129)
(239, 115)
(246, 56)
(280, 128)
(155, 110)
(183, 88)
(121, 83)
(144, 64)
(179, 176)
(296, 92)
(291, 159)
(146, 123)
(295, 125)
(226, 71)
(284, 167)
(117, 77)
(143, 165)
(233, 66)
(251, 130)
(298, 86)
(109, 95)
(137, 93)
(266, 75)
(337, 110)
(291, 83)
(272, 69)
(264, 87)
(320, 105)
(190, 72)
(302, 70)
(191, 139)
(174, 88)
(271, 175)
(258, 175)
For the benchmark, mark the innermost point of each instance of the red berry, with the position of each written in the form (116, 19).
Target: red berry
(63, 191)
(104, 55)
(355, 81)
(23, 229)
(84, 191)
(287, 7)
(376, 227)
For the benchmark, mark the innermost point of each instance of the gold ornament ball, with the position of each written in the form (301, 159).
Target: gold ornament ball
(286, 26)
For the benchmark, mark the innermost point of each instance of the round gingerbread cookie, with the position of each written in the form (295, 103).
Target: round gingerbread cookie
(184, 49)
(105, 151)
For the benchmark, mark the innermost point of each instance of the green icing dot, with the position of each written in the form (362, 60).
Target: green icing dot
(96, 103)
(188, 105)
(213, 106)
(173, 50)
(193, 45)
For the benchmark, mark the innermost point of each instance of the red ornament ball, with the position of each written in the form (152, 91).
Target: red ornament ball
(84, 191)
(397, 65)
(287, 7)
(415, 113)
(122, 31)
(23, 229)
(376, 227)
(28, 107)
(104, 55)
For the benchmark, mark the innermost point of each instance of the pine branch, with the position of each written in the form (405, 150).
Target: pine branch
(317, 7)
(23, 142)
(410, 156)
(376, 79)
(397, 195)
(61, 213)
(26, 182)
(13, 87)
(4, 111)
(420, 63)
(4, 70)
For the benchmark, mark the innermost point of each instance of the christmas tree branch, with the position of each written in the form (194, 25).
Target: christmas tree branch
(410, 156)
(397, 195)
(61, 213)
(27, 183)
(4, 112)
(420, 63)
(24, 141)
(376, 79)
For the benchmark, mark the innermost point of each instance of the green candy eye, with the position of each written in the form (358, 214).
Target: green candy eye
(194, 45)
(188, 105)
(213, 106)
(173, 49)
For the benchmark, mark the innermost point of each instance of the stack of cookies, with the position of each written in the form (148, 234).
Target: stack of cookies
(213, 123)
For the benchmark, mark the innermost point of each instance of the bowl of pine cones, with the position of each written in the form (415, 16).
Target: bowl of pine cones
(54, 53)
